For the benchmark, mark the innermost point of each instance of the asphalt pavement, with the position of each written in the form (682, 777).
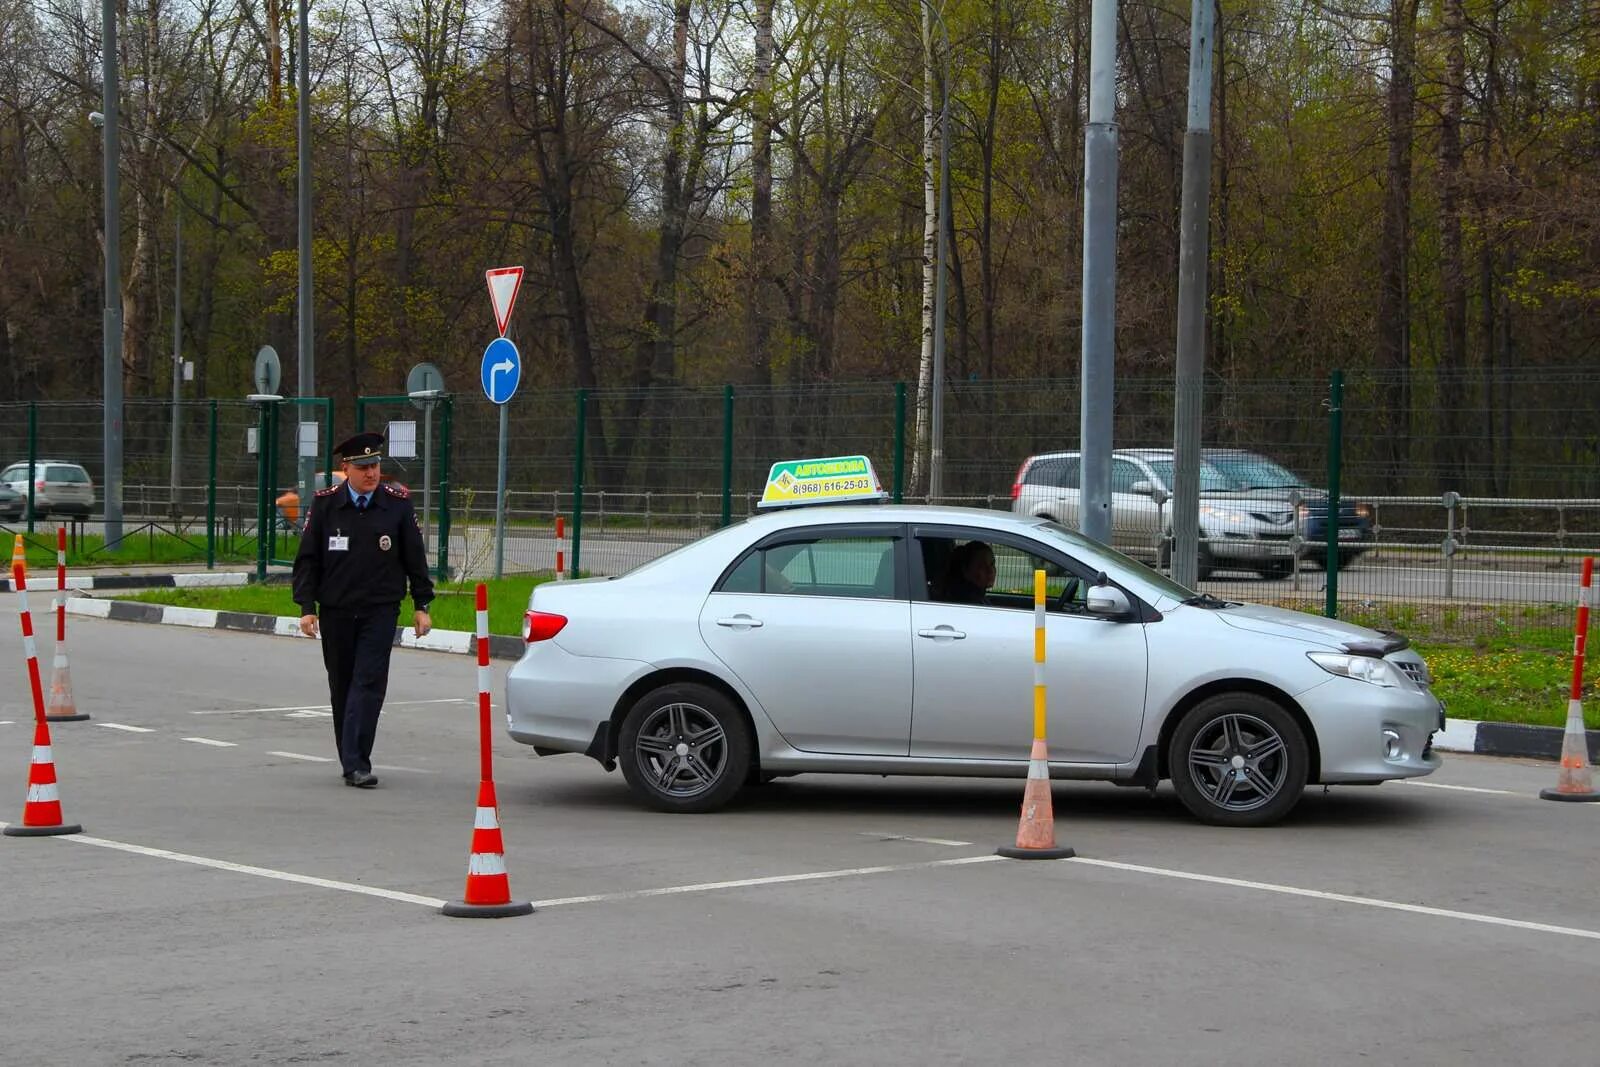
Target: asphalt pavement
(232, 901)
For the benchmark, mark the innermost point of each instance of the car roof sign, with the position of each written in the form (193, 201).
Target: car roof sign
(828, 480)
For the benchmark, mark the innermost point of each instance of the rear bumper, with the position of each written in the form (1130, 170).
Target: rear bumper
(556, 701)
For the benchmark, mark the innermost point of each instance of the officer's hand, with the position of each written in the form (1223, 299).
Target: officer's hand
(308, 625)
(422, 623)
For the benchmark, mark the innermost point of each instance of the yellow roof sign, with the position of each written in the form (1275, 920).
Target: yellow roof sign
(831, 480)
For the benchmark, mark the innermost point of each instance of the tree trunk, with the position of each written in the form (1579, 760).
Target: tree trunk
(1393, 341)
(1452, 370)
(758, 321)
(930, 219)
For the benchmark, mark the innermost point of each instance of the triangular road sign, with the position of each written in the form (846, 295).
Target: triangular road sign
(503, 285)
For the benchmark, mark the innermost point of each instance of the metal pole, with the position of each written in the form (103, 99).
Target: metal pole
(211, 492)
(1335, 464)
(177, 350)
(577, 480)
(111, 319)
(307, 360)
(936, 420)
(1193, 252)
(427, 466)
(727, 454)
(500, 500)
(1099, 273)
(33, 457)
(899, 441)
(261, 495)
(444, 489)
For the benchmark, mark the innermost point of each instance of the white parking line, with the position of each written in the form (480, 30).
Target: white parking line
(129, 729)
(1342, 898)
(211, 742)
(1463, 788)
(303, 756)
(918, 840)
(6, 722)
(325, 707)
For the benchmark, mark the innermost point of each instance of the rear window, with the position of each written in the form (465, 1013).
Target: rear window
(67, 475)
(1059, 471)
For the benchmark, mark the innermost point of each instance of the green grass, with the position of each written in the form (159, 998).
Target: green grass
(143, 547)
(453, 608)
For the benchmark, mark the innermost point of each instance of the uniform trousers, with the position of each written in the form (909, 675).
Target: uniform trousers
(355, 650)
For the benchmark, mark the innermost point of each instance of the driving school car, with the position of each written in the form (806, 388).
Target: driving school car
(813, 639)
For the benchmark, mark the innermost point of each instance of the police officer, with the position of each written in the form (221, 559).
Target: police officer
(360, 546)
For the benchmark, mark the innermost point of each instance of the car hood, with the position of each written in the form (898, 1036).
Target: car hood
(1263, 499)
(1312, 629)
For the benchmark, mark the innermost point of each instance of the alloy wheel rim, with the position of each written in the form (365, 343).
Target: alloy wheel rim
(682, 749)
(1239, 762)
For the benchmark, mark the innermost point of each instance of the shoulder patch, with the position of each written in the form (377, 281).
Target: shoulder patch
(397, 490)
(332, 489)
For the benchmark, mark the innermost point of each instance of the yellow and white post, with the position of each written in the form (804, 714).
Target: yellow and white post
(1036, 832)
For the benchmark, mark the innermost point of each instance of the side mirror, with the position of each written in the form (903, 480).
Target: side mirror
(1145, 487)
(1107, 600)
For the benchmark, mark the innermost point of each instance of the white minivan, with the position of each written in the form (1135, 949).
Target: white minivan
(59, 487)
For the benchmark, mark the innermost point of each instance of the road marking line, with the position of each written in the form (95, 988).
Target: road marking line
(129, 729)
(260, 872)
(303, 756)
(406, 770)
(209, 741)
(1343, 898)
(324, 707)
(1463, 788)
(918, 840)
(743, 883)
(7, 722)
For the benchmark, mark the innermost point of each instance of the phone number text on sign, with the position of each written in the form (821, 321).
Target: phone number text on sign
(830, 486)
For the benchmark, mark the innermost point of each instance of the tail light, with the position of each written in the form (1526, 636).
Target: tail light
(541, 626)
(39, 484)
(1016, 484)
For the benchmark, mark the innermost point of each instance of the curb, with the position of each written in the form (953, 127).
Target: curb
(1508, 739)
(207, 580)
(458, 641)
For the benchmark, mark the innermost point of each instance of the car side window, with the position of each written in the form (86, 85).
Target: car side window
(862, 567)
(1068, 478)
(15, 473)
(1123, 474)
(1012, 586)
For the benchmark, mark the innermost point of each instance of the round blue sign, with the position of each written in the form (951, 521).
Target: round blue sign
(501, 370)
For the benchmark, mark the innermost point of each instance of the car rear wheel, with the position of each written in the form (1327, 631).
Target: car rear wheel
(1205, 563)
(1238, 759)
(685, 748)
(1278, 568)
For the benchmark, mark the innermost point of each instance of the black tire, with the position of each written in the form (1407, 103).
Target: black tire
(1201, 760)
(1206, 564)
(1276, 569)
(685, 747)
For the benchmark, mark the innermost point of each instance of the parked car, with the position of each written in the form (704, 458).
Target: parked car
(1250, 508)
(816, 639)
(59, 487)
(12, 503)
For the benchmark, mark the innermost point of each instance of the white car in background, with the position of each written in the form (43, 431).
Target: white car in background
(59, 487)
(813, 639)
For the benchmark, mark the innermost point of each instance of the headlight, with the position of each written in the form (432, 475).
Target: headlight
(1364, 511)
(1226, 514)
(1362, 668)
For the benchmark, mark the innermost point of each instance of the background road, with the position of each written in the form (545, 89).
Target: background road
(892, 938)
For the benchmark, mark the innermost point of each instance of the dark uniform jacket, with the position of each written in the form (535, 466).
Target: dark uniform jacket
(353, 561)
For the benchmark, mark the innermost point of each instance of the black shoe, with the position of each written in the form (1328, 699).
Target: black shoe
(361, 779)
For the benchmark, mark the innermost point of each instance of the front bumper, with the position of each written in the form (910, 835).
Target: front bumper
(1356, 722)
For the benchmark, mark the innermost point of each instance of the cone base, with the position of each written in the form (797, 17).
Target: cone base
(42, 831)
(82, 716)
(1011, 852)
(459, 910)
(1575, 798)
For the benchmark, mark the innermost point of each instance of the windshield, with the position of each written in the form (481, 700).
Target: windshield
(1244, 470)
(1080, 544)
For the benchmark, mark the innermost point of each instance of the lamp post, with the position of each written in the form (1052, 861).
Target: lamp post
(111, 317)
(306, 358)
(936, 402)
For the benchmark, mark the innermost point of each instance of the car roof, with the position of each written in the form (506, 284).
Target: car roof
(849, 514)
(42, 462)
(1145, 453)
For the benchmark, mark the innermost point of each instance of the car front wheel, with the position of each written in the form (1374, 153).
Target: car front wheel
(685, 748)
(1238, 759)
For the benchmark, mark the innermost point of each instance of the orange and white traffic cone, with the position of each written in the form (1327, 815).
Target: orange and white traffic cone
(41, 815)
(488, 894)
(1036, 831)
(62, 708)
(1576, 780)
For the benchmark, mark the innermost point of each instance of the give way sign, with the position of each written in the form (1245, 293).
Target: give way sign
(504, 283)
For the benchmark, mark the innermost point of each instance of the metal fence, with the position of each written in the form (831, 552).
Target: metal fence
(1482, 491)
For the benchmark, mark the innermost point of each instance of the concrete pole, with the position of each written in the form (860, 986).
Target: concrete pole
(1099, 273)
(177, 354)
(936, 405)
(307, 360)
(1193, 251)
(111, 319)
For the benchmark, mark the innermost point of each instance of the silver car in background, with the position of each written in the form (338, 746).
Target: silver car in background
(59, 488)
(814, 639)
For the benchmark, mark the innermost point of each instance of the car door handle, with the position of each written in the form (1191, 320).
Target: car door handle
(942, 632)
(741, 620)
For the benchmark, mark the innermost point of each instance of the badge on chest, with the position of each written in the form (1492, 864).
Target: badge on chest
(338, 543)
(385, 543)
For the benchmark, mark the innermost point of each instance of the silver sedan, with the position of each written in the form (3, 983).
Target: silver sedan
(865, 639)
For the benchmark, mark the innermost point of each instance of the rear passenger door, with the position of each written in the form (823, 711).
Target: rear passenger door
(817, 624)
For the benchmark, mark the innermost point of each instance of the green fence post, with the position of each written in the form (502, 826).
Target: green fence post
(727, 454)
(327, 459)
(577, 480)
(33, 455)
(361, 414)
(211, 493)
(1335, 459)
(443, 510)
(899, 441)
